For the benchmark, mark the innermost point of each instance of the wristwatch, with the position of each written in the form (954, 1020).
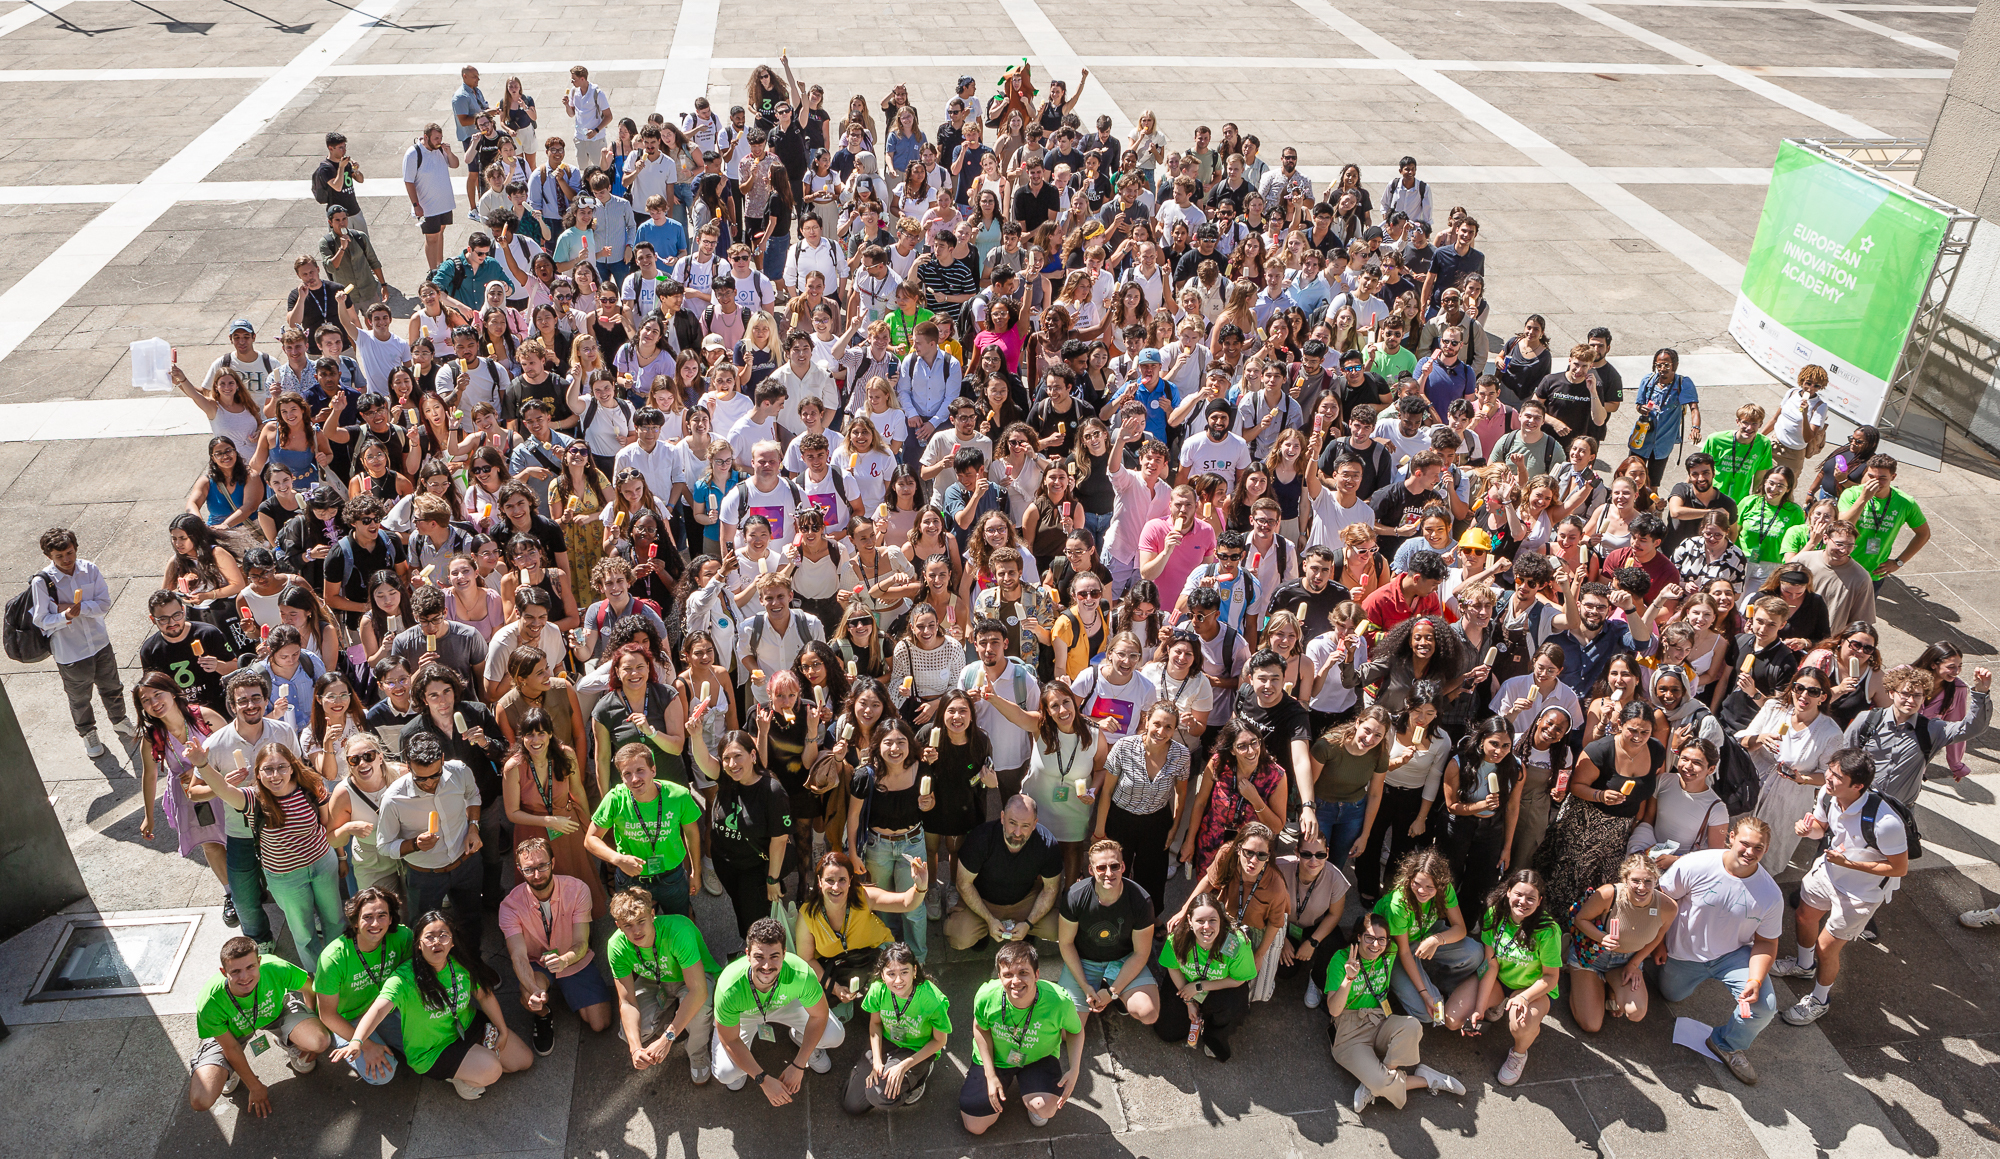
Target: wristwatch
(1313, 942)
(770, 881)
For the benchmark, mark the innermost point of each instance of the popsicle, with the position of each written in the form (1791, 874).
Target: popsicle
(525, 581)
(704, 690)
(652, 551)
(819, 694)
(195, 647)
(1629, 786)
(847, 730)
(924, 787)
(1611, 928)
(1493, 784)
(430, 642)
(1854, 667)
(242, 761)
(937, 736)
(1062, 430)
(1492, 654)
(756, 676)
(909, 682)
(852, 670)
(434, 821)
(264, 632)
(458, 721)
(854, 984)
(76, 600)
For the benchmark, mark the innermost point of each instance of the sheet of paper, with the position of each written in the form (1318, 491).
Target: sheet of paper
(1693, 1034)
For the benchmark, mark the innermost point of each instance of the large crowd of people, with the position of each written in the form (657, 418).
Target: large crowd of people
(876, 529)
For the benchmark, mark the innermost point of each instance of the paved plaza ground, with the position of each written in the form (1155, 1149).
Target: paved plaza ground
(152, 184)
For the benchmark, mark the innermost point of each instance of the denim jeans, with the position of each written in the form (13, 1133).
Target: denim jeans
(390, 1035)
(1100, 975)
(1340, 825)
(613, 273)
(310, 899)
(777, 251)
(669, 889)
(246, 888)
(1099, 526)
(1452, 964)
(1680, 978)
(887, 868)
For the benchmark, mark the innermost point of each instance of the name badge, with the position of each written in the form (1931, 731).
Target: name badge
(259, 1044)
(655, 866)
(1013, 1058)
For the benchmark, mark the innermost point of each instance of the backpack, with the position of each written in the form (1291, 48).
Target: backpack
(1736, 780)
(1874, 720)
(604, 612)
(741, 493)
(1015, 668)
(25, 643)
(708, 318)
(746, 656)
(590, 413)
(1873, 810)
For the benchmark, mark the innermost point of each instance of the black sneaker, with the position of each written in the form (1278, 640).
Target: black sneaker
(229, 917)
(544, 1033)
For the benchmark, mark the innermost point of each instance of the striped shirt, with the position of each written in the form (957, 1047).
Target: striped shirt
(1137, 790)
(294, 843)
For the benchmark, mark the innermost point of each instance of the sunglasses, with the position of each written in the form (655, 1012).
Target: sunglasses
(1808, 689)
(1309, 855)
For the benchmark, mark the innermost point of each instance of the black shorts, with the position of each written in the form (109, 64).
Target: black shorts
(449, 1059)
(1040, 1077)
(436, 222)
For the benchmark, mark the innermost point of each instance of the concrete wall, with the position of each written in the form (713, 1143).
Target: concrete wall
(1962, 165)
(35, 860)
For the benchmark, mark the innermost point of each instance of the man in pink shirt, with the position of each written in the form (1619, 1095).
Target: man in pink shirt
(1171, 547)
(1139, 497)
(546, 921)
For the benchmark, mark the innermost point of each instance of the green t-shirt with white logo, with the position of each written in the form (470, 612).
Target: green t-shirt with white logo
(1234, 958)
(1370, 988)
(1521, 966)
(1023, 1036)
(909, 1023)
(735, 997)
(219, 1010)
(649, 831)
(427, 1030)
(677, 944)
(355, 979)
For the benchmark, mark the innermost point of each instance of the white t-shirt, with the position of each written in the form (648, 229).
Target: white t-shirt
(795, 463)
(826, 496)
(432, 175)
(1012, 744)
(256, 374)
(774, 505)
(379, 357)
(1524, 686)
(1390, 430)
(1204, 455)
(747, 433)
(1793, 414)
(1682, 814)
(1195, 694)
(725, 413)
(1333, 696)
(1720, 913)
(1845, 833)
(1329, 517)
(590, 105)
(1116, 709)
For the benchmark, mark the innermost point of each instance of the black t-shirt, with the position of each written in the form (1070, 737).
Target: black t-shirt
(1603, 753)
(1610, 389)
(553, 390)
(545, 530)
(1319, 608)
(1189, 263)
(1376, 466)
(1393, 505)
(351, 564)
(1104, 931)
(1680, 529)
(1061, 575)
(887, 809)
(1006, 877)
(1279, 725)
(279, 513)
(1770, 670)
(1031, 209)
(792, 148)
(746, 818)
(321, 306)
(1043, 418)
(322, 183)
(1073, 158)
(1567, 401)
(948, 138)
(179, 661)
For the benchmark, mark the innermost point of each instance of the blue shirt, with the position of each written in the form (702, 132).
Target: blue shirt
(669, 239)
(1444, 385)
(1308, 294)
(1237, 597)
(955, 499)
(1584, 664)
(467, 102)
(1156, 415)
(1663, 402)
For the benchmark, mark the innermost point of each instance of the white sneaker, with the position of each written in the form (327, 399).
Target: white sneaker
(738, 1084)
(934, 905)
(467, 1091)
(92, 747)
(1173, 866)
(1362, 1097)
(299, 1062)
(1438, 1080)
(1788, 967)
(700, 1074)
(711, 881)
(230, 1084)
(1807, 1011)
(1313, 996)
(1037, 1120)
(127, 732)
(1510, 1071)
(820, 1061)
(1974, 919)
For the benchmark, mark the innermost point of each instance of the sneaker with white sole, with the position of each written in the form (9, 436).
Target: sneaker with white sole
(229, 917)
(230, 1084)
(711, 881)
(1362, 1097)
(1037, 1120)
(1976, 919)
(543, 1034)
(820, 1062)
(1866, 935)
(1313, 996)
(1510, 1071)
(1807, 1011)
(1440, 1082)
(934, 905)
(301, 1062)
(738, 1084)
(1788, 967)
(700, 1075)
(92, 747)
(467, 1091)
(127, 732)
(915, 1094)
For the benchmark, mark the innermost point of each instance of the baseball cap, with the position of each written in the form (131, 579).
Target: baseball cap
(963, 81)
(714, 342)
(1150, 356)
(333, 209)
(241, 324)
(1476, 539)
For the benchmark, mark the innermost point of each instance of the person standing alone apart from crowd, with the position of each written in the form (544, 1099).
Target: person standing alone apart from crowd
(71, 600)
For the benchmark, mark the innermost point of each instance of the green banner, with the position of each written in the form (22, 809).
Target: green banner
(1835, 277)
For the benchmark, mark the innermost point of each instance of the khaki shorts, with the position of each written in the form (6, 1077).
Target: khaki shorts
(208, 1052)
(1846, 916)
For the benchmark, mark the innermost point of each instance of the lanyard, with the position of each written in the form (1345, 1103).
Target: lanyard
(251, 1013)
(896, 1011)
(763, 1011)
(1249, 888)
(1018, 1035)
(652, 833)
(1375, 994)
(653, 955)
(368, 971)
(544, 788)
(1063, 767)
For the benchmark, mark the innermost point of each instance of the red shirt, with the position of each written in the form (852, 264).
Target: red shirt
(1386, 606)
(1661, 569)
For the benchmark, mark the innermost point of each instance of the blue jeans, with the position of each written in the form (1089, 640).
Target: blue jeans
(310, 899)
(1679, 978)
(888, 870)
(390, 1035)
(669, 889)
(613, 272)
(1099, 975)
(1452, 964)
(1340, 825)
(246, 888)
(777, 249)
(1099, 526)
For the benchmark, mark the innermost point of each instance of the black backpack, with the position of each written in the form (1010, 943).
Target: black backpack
(1873, 809)
(26, 643)
(1736, 780)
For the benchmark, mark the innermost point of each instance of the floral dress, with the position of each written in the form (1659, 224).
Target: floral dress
(1228, 812)
(585, 542)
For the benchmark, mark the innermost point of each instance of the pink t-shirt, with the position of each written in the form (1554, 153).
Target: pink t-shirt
(1194, 547)
(569, 904)
(1009, 342)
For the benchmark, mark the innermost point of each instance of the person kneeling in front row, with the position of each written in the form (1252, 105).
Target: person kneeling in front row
(1021, 1024)
(255, 993)
(768, 986)
(1368, 1041)
(909, 1019)
(661, 966)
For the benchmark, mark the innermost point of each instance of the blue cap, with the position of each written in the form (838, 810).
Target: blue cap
(241, 324)
(1149, 356)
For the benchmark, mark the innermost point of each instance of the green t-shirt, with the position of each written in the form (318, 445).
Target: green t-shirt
(355, 979)
(1404, 922)
(427, 1031)
(1394, 366)
(1371, 986)
(1235, 958)
(1763, 530)
(677, 944)
(652, 831)
(1024, 1036)
(1522, 966)
(735, 997)
(219, 1010)
(910, 1024)
(1795, 540)
(903, 327)
(1878, 523)
(1737, 464)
